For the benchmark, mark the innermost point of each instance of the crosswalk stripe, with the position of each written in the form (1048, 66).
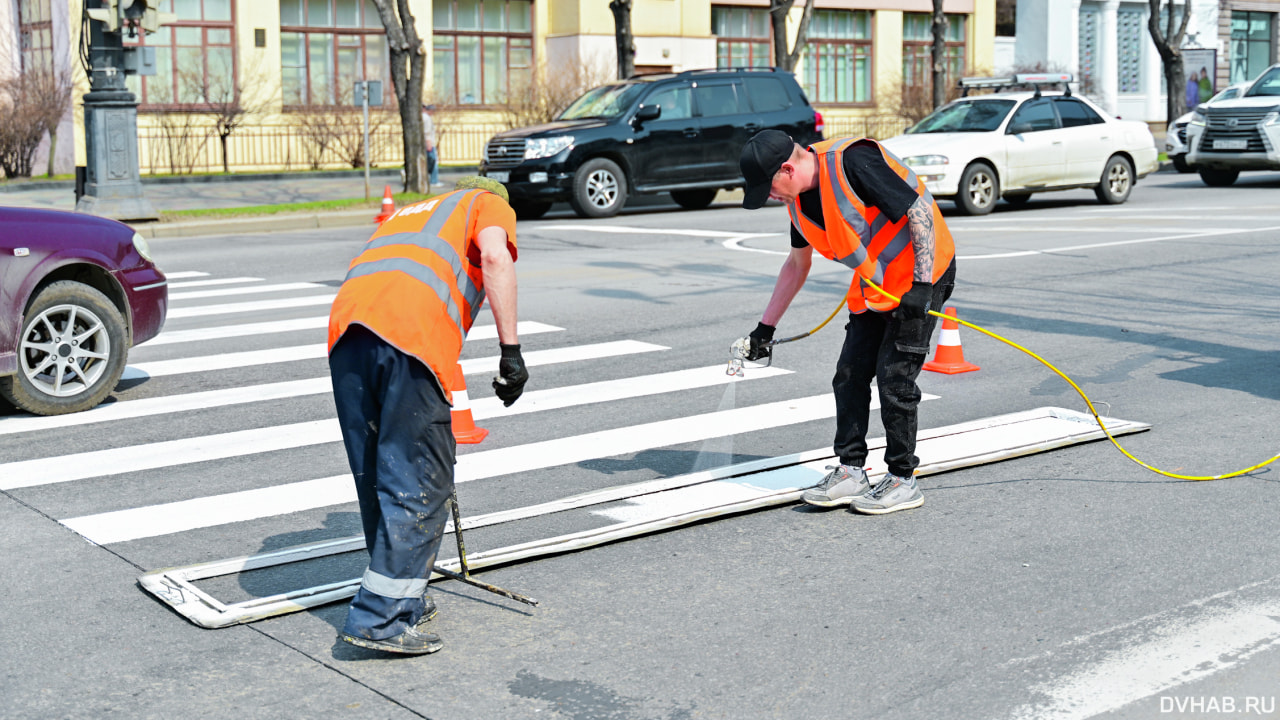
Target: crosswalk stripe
(63, 468)
(253, 306)
(475, 366)
(210, 283)
(169, 518)
(250, 290)
(185, 274)
(222, 332)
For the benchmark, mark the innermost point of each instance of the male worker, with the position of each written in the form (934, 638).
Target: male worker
(429, 143)
(854, 202)
(395, 334)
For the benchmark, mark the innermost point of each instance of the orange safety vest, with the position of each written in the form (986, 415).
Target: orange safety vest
(414, 284)
(861, 237)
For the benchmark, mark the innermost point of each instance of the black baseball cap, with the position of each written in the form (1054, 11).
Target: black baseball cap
(761, 159)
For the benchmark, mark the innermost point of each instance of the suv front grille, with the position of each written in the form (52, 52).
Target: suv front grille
(1234, 124)
(1181, 129)
(504, 152)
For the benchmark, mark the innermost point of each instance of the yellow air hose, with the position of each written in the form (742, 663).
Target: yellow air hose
(1060, 374)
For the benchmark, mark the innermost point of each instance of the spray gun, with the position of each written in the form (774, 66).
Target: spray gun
(741, 348)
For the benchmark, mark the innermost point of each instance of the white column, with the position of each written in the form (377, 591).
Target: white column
(1073, 41)
(1108, 62)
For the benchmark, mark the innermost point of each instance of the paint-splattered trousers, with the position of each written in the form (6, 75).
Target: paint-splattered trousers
(874, 349)
(397, 430)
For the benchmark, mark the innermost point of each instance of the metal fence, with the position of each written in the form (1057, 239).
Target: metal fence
(183, 144)
(876, 127)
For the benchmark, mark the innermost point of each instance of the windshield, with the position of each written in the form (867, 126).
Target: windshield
(1268, 84)
(965, 116)
(1227, 94)
(604, 102)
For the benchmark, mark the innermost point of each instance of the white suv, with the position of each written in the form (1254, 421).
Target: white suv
(1240, 134)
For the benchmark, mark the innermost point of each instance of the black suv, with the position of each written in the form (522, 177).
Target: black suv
(677, 133)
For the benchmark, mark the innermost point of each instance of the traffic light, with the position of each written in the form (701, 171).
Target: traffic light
(131, 14)
(108, 14)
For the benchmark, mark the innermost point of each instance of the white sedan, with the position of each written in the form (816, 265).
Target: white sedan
(976, 150)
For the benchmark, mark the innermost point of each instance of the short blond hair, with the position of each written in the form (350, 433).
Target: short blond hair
(482, 183)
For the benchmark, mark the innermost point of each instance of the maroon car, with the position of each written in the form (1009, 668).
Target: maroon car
(76, 292)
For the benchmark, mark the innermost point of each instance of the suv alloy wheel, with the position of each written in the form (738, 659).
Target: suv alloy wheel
(599, 189)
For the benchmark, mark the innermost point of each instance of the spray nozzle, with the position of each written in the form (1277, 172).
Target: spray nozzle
(740, 357)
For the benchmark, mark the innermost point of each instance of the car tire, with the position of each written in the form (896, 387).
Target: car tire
(1219, 178)
(1180, 163)
(979, 190)
(1018, 199)
(530, 209)
(98, 329)
(599, 189)
(1116, 182)
(694, 199)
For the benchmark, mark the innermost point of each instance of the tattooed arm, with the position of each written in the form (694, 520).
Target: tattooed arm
(920, 225)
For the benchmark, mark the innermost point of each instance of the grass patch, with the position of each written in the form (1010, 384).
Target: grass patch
(373, 204)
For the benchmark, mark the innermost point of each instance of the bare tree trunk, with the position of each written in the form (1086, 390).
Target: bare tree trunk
(939, 55)
(785, 58)
(408, 63)
(222, 138)
(53, 148)
(625, 40)
(1169, 43)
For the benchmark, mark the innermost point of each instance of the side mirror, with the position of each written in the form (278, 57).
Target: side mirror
(645, 113)
(1019, 128)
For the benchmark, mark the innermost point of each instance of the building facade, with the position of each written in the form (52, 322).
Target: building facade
(280, 73)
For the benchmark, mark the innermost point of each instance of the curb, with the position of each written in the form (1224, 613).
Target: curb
(234, 177)
(350, 218)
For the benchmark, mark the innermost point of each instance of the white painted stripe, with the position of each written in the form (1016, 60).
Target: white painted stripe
(1155, 655)
(254, 306)
(162, 405)
(225, 361)
(1092, 246)
(475, 366)
(251, 290)
(170, 337)
(218, 281)
(63, 468)
(625, 230)
(735, 243)
(185, 274)
(168, 518)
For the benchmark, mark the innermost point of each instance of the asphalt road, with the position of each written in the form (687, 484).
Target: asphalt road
(1065, 584)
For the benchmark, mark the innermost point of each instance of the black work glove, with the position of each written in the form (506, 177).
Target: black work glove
(760, 337)
(509, 385)
(912, 315)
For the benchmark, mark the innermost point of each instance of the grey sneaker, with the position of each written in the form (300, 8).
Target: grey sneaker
(429, 612)
(410, 642)
(891, 494)
(838, 487)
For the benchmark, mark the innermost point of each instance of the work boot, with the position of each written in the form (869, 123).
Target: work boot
(429, 611)
(891, 494)
(410, 642)
(838, 487)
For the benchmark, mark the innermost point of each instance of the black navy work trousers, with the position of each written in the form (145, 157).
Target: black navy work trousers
(874, 350)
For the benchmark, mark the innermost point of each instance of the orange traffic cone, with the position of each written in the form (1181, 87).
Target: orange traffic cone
(388, 207)
(949, 357)
(464, 424)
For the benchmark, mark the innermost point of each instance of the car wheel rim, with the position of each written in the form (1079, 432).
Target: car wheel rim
(1119, 179)
(64, 352)
(981, 190)
(602, 188)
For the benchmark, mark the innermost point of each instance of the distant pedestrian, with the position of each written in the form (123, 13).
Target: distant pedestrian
(429, 141)
(395, 333)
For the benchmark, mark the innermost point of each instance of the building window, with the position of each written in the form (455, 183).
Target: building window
(1131, 28)
(482, 49)
(35, 34)
(742, 37)
(1088, 52)
(917, 48)
(837, 58)
(326, 46)
(1250, 44)
(194, 56)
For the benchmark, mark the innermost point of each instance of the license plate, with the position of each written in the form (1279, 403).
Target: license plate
(501, 177)
(1230, 144)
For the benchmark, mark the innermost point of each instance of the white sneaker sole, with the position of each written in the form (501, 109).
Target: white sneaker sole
(908, 505)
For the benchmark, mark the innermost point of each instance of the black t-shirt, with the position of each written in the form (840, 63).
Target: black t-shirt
(872, 180)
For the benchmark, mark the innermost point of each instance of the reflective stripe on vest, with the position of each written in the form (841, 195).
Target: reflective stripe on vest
(869, 243)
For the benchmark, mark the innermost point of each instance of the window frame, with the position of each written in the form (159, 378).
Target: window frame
(334, 32)
(437, 33)
(143, 91)
(812, 57)
(728, 41)
(27, 30)
(921, 51)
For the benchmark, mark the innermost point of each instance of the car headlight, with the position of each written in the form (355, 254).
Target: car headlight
(924, 160)
(546, 147)
(144, 249)
(1273, 118)
(1197, 118)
